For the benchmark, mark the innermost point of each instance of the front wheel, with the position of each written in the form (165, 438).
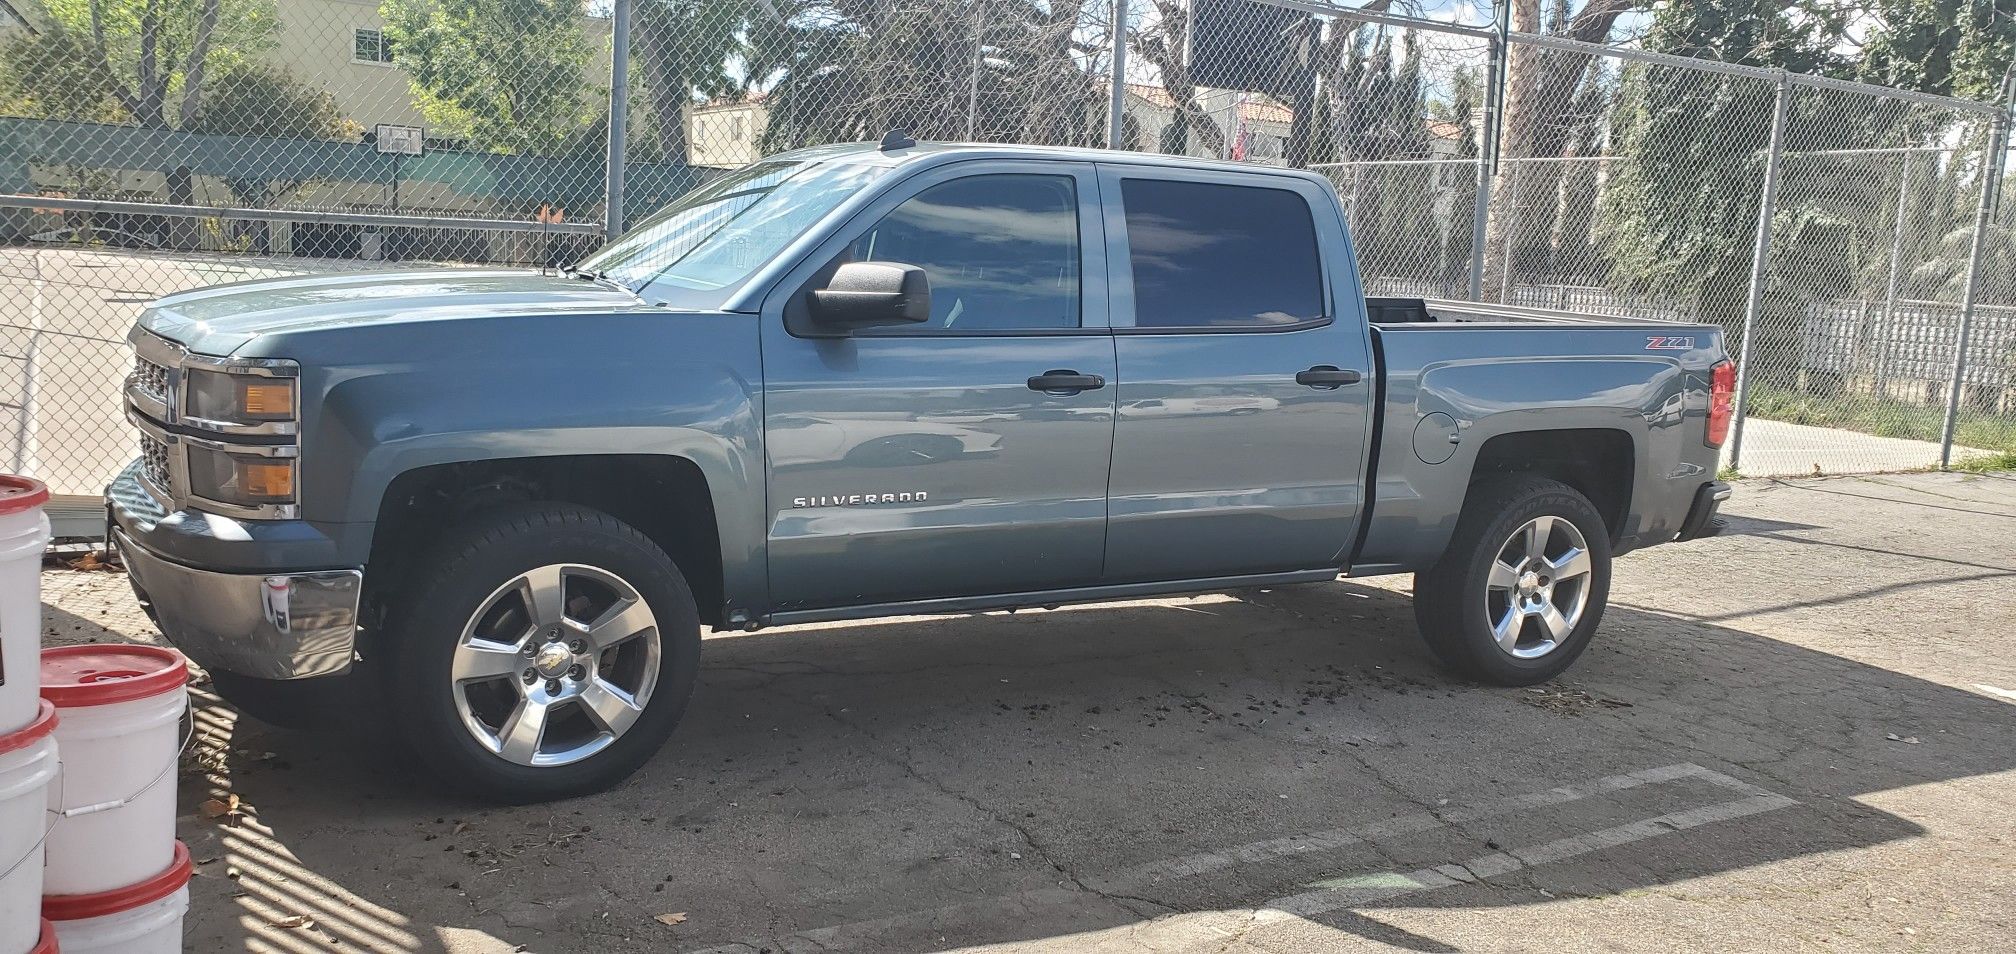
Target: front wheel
(547, 653)
(1521, 589)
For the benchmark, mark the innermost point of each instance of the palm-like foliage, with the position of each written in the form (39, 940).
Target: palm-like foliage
(999, 70)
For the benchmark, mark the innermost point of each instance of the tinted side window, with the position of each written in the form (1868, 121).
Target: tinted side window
(1215, 256)
(1001, 251)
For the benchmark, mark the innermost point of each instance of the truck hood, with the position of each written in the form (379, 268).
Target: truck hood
(221, 319)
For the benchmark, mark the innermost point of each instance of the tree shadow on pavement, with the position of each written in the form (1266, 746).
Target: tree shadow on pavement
(927, 783)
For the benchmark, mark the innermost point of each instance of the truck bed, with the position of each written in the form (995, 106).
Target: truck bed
(1453, 375)
(1439, 311)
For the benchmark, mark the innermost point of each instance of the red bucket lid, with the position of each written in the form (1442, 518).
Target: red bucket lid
(98, 674)
(27, 735)
(47, 944)
(77, 907)
(21, 493)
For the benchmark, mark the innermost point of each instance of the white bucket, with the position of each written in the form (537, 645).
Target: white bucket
(144, 918)
(27, 764)
(115, 804)
(24, 534)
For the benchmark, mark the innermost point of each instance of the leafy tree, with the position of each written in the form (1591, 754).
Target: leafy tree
(1539, 84)
(506, 75)
(1951, 47)
(1164, 43)
(155, 56)
(139, 62)
(143, 62)
(253, 100)
(683, 47)
(52, 75)
(851, 70)
(1679, 212)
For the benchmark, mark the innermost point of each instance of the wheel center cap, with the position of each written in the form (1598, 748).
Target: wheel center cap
(553, 659)
(1529, 582)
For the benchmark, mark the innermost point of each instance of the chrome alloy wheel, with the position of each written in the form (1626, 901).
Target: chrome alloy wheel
(1538, 588)
(556, 665)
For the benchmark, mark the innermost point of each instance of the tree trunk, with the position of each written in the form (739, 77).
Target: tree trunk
(1518, 117)
(1165, 49)
(1538, 85)
(669, 94)
(126, 96)
(199, 55)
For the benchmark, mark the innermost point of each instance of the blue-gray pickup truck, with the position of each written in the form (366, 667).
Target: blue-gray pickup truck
(863, 381)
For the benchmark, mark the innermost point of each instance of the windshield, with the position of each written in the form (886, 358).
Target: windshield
(718, 234)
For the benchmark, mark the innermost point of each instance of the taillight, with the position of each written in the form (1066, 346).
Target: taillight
(1721, 401)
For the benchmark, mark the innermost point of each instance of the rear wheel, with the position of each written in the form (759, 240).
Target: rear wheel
(1522, 587)
(548, 653)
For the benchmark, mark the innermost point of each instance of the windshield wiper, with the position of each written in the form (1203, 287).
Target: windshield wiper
(598, 276)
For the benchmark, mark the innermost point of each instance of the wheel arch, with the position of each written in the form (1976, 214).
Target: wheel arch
(1600, 463)
(667, 498)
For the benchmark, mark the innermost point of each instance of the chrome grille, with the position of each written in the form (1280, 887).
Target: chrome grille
(150, 379)
(154, 461)
(133, 498)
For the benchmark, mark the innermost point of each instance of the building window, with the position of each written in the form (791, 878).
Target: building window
(372, 46)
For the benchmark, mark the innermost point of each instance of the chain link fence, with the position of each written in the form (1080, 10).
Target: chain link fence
(1835, 230)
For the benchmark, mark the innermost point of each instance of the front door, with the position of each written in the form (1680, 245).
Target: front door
(1244, 403)
(965, 455)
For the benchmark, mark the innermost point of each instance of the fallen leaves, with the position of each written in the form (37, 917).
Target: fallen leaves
(671, 919)
(93, 561)
(1569, 701)
(220, 807)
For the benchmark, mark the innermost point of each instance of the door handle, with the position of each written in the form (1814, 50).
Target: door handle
(1327, 377)
(1065, 382)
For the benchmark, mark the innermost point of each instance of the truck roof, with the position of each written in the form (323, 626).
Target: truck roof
(932, 153)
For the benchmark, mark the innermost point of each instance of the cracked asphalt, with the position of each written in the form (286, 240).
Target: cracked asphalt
(1797, 736)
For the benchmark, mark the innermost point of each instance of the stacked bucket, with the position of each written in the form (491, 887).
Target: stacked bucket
(89, 737)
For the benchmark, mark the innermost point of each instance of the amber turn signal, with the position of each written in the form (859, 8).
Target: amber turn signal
(268, 399)
(266, 479)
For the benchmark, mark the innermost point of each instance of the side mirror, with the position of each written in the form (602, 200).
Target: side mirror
(867, 294)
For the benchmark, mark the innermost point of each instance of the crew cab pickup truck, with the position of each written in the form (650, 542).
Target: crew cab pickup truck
(861, 381)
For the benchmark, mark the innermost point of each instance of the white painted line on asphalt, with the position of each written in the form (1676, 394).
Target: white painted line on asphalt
(1359, 890)
(1337, 893)
(1996, 691)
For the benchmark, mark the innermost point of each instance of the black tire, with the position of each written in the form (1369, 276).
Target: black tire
(318, 704)
(426, 619)
(1450, 601)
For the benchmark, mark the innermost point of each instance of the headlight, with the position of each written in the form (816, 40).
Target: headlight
(242, 479)
(243, 399)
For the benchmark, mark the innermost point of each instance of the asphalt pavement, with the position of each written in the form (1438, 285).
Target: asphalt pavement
(1798, 736)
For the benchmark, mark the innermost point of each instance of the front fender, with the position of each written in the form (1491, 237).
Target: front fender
(668, 384)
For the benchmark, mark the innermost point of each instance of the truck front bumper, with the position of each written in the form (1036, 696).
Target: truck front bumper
(1703, 519)
(271, 625)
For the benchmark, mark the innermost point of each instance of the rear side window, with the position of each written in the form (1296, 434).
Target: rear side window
(1219, 256)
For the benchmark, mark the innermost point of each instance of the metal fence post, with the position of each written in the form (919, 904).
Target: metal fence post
(619, 115)
(1116, 133)
(1991, 177)
(1760, 264)
(1511, 213)
(973, 84)
(1883, 344)
(1487, 155)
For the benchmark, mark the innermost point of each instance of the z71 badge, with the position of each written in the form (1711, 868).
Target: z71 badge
(1662, 343)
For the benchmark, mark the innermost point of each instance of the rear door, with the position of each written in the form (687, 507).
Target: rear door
(966, 455)
(1244, 400)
